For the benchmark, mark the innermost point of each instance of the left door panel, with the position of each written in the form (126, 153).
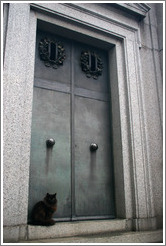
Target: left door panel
(50, 169)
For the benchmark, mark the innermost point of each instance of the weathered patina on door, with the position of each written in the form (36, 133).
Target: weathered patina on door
(71, 129)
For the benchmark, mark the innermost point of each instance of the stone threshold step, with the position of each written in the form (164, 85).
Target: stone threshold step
(111, 237)
(68, 229)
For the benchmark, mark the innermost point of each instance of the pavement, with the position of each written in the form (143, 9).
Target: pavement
(109, 237)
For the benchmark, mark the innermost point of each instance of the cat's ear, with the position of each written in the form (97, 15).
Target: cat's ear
(47, 194)
(55, 194)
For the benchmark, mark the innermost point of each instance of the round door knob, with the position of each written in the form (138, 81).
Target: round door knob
(50, 142)
(93, 147)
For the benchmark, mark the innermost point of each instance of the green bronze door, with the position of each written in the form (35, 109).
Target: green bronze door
(71, 129)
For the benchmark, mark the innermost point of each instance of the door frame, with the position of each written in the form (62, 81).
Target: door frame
(132, 175)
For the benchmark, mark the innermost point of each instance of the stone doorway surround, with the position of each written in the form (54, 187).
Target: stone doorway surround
(132, 169)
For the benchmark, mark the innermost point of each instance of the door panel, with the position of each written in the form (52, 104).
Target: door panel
(50, 168)
(93, 182)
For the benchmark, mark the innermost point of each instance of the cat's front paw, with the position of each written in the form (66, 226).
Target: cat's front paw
(52, 222)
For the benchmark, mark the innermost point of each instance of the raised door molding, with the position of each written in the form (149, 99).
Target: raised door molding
(139, 9)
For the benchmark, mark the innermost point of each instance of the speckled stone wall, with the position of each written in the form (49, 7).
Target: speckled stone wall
(17, 106)
(151, 34)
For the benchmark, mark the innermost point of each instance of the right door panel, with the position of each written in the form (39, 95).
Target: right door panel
(94, 197)
(93, 169)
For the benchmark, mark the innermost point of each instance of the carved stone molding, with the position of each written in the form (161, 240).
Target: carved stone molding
(51, 52)
(91, 64)
(138, 9)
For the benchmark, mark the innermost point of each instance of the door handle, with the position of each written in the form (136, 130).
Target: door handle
(93, 147)
(50, 142)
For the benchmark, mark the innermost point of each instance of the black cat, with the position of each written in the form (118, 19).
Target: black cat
(43, 211)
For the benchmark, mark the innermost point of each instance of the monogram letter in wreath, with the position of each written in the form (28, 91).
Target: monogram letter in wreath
(52, 52)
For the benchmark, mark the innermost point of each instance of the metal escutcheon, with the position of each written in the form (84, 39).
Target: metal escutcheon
(93, 147)
(50, 142)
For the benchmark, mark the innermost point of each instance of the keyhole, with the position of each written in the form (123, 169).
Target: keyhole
(53, 51)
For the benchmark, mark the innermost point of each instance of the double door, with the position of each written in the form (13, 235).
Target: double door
(71, 129)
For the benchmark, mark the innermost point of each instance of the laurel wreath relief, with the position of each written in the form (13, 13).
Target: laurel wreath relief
(91, 64)
(52, 52)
